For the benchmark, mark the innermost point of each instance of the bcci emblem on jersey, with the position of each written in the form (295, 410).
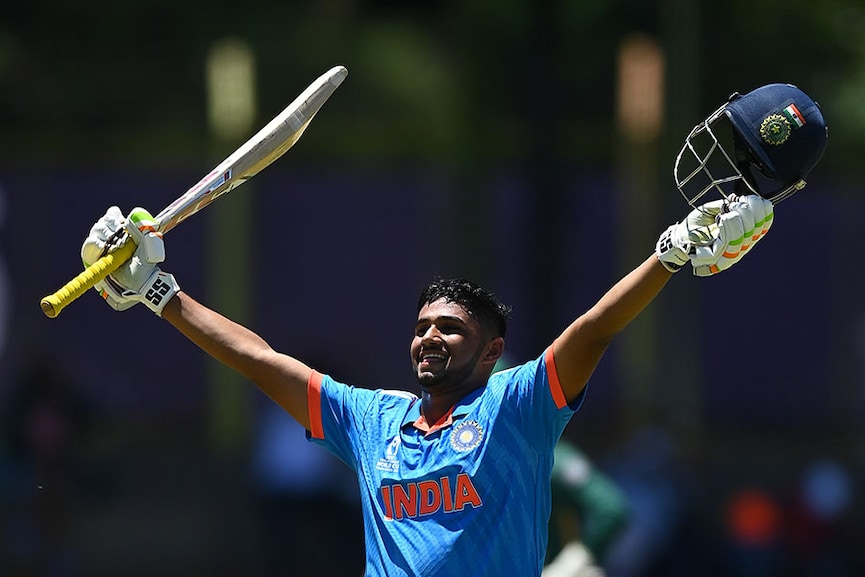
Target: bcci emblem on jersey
(466, 436)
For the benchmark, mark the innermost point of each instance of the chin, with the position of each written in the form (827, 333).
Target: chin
(428, 380)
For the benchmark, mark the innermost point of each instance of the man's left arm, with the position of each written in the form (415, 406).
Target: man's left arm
(712, 237)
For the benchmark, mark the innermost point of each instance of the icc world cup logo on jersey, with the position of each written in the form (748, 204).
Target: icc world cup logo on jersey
(466, 436)
(390, 461)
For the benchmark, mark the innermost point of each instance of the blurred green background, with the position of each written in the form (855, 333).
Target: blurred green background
(527, 145)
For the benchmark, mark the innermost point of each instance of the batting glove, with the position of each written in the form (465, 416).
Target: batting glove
(139, 280)
(716, 235)
(746, 221)
(676, 245)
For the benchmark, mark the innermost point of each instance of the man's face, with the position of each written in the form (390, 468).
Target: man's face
(447, 345)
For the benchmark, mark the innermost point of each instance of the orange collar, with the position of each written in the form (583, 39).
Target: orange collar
(421, 423)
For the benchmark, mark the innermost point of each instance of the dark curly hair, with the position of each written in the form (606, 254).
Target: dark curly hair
(483, 305)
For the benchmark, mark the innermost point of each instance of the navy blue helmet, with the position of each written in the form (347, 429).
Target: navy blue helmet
(774, 136)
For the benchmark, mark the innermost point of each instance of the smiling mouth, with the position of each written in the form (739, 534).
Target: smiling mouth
(429, 358)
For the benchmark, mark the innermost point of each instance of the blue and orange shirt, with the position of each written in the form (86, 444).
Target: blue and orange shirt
(467, 495)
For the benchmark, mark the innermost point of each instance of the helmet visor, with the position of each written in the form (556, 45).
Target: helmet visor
(707, 164)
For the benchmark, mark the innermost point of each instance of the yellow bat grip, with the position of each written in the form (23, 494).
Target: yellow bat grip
(53, 304)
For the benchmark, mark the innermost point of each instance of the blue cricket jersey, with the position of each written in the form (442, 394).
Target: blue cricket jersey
(469, 497)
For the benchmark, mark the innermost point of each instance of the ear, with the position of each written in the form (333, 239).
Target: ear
(495, 348)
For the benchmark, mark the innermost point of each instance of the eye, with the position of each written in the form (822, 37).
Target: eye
(450, 328)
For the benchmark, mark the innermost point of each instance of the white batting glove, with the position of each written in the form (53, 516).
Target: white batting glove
(746, 221)
(676, 245)
(139, 280)
(716, 235)
(574, 560)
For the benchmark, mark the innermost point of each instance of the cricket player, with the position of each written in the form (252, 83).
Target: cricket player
(457, 481)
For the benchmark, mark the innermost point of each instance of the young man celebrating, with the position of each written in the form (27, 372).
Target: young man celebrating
(458, 480)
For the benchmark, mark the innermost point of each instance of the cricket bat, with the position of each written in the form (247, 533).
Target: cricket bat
(256, 154)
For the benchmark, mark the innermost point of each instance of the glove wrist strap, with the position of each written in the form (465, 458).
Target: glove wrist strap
(671, 256)
(158, 290)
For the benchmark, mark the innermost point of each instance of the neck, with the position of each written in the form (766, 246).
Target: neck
(436, 404)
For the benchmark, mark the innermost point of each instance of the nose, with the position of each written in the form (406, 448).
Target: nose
(430, 334)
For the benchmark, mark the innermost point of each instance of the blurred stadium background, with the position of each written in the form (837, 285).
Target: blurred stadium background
(527, 145)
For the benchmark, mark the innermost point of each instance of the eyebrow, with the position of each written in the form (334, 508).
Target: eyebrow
(440, 318)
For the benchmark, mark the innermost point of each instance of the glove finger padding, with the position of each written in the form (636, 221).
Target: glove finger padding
(724, 249)
(760, 211)
(746, 222)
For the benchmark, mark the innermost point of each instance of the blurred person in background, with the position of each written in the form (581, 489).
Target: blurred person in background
(753, 544)
(305, 501)
(46, 423)
(803, 530)
(648, 468)
(589, 512)
(821, 522)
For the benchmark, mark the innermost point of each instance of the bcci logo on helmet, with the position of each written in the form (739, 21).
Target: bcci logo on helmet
(775, 129)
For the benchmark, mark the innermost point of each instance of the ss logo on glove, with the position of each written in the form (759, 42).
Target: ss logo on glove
(158, 291)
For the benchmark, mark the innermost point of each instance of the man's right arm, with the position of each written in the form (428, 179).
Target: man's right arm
(140, 280)
(282, 378)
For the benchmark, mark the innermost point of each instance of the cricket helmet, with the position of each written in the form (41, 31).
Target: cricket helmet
(775, 135)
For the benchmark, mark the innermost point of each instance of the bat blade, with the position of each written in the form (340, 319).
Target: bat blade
(256, 154)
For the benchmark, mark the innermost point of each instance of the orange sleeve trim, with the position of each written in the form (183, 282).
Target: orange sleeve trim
(555, 384)
(313, 405)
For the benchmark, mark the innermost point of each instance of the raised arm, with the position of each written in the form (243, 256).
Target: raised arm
(712, 238)
(282, 378)
(582, 344)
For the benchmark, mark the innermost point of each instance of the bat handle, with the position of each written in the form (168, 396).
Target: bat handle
(54, 303)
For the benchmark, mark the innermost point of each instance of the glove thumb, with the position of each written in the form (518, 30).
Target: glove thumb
(142, 229)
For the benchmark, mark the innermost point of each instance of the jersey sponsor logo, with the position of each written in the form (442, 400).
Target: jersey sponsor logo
(466, 436)
(390, 462)
(419, 499)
